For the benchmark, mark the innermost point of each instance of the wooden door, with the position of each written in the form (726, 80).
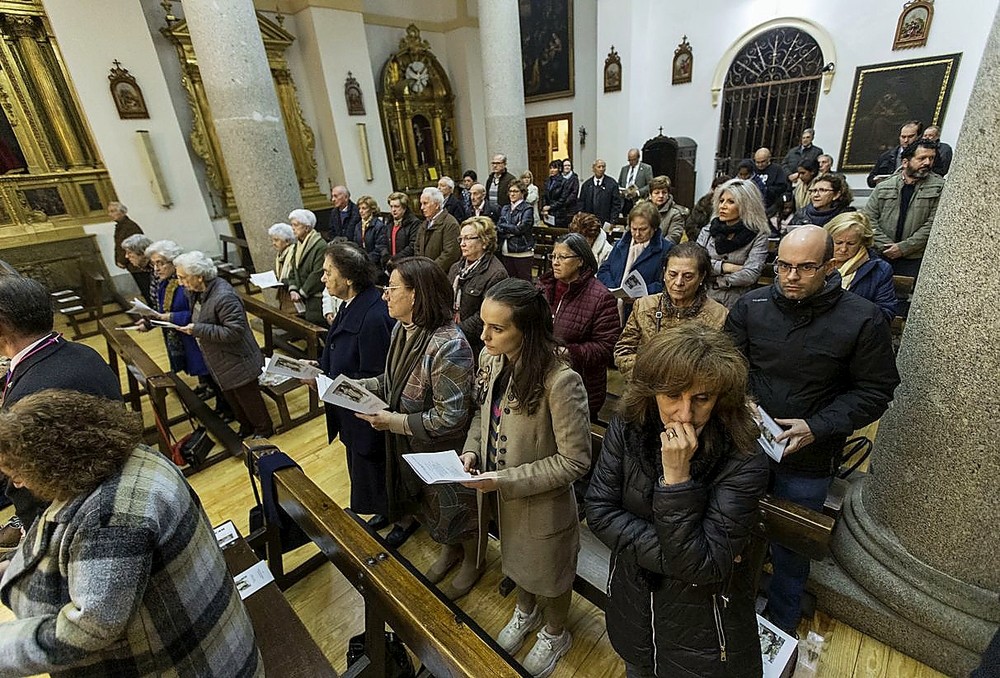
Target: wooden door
(543, 146)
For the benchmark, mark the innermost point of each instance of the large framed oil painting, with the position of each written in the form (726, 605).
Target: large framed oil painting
(547, 48)
(887, 95)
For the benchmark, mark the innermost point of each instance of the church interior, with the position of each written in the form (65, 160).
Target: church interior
(211, 121)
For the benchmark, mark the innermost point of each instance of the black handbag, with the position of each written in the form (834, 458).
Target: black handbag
(190, 450)
(267, 512)
(397, 661)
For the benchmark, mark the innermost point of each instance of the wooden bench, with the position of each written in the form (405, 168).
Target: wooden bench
(285, 644)
(904, 292)
(545, 239)
(144, 377)
(84, 304)
(297, 330)
(443, 637)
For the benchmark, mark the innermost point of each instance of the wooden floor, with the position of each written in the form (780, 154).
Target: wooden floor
(331, 609)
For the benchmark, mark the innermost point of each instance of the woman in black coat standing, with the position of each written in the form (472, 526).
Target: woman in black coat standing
(356, 346)
(562, 192)
(473, 274)
(674, 495)
(515, 235)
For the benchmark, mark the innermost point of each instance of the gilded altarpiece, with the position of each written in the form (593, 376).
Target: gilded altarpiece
(204, 139)
(418, 115)
(52, 179)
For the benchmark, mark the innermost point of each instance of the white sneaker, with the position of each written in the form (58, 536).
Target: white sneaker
(512, 636)
(542, 659)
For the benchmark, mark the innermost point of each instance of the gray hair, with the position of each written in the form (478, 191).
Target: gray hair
(197, 264)
(283, 231)
(118, 206)
(304, 217)
(810, 131)
(748, 200)
(477, 188)
(448, 181)
(136, 244)
(167, 249)
(340, 189)
(434, 194)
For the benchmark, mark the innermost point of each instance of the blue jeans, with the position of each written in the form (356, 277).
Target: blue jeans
(784, 595)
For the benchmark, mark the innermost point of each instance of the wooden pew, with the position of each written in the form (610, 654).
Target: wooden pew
(84, 304)
(545, 239)
(297, 329)
(144, 377)
(440, 634)
(285, 644)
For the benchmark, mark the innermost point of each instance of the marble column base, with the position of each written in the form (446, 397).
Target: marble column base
(874, 585)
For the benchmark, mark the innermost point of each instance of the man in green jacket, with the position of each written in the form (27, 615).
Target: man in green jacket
(902, 208)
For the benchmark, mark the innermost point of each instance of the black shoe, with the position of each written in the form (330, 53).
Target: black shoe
(377, 522)
(204, 392)
(398, 535)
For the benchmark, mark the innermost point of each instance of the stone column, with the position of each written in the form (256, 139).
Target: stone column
(916, 549)
(246, 116)
(503, 88)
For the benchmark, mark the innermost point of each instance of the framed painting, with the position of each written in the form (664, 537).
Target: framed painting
(683, 63)
(887, 95)
(613, 72)
(914, 24)
(126, 94)
(546, 48)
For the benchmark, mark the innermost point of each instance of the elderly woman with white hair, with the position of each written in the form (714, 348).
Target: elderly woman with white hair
(736, 240)
(283, 241)
(219, 325)
(305, 282)
(134, 247)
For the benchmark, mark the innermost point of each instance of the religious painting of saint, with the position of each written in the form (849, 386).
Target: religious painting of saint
(126, 94)
(613, 72)
(683, 63)
(887, 95)
(914, 24)
(546, 48)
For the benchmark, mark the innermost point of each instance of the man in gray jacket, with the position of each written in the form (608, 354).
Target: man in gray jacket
(902, 208)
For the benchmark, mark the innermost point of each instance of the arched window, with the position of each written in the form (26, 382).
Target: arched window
(769, 96)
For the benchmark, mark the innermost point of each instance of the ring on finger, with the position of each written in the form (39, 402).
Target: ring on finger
(671, 434)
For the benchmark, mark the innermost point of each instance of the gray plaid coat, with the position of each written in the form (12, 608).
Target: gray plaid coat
(125, 581)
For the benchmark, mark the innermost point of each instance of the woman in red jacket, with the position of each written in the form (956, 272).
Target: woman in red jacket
(584, 313)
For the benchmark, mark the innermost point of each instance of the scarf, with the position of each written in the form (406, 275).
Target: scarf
(721, 232)
(850, 267)
(301, 247)
(666, 306)
(456, 285)
(820, 217)
(283, 263)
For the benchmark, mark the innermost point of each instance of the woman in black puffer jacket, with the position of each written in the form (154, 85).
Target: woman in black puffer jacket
(674, 495)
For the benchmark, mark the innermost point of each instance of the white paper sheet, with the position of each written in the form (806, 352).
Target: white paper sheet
(776, 647)
(349, 394)
(265, 279)
(226, 534)
(633, 286)
(165, 323)
(283, 366)
(768, 430)
(139, 307)
(436, 468)
(253, 579)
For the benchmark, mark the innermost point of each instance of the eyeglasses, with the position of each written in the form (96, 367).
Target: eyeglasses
(389, 288)
(562, 257)
(467, 238)
(804, 270)
(821, 190)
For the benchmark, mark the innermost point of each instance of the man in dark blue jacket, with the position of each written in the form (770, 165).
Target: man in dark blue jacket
(344, 217)
(40, 359)
(821, 364)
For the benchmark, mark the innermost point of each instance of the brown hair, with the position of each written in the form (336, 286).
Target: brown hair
(66, 443)
(691, 250)
(646, 210)
(585, 224)
(676, 359)
(662, 181)
(433, 295)
(372, 205)
(403, 199)
(839, 185)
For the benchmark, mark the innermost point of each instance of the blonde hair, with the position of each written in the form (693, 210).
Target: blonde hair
(846, 221)
(748, 200)
(486, 230)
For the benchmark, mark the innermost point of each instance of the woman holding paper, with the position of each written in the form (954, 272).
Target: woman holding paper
(428, 385)
(529, 440)
(674, 496)
(223, 334)
(357, 344)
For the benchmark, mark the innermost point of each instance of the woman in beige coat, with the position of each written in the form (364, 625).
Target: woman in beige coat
(529, 440)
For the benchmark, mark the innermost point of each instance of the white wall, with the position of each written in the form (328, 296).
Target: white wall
(646, 33)
(88, 49)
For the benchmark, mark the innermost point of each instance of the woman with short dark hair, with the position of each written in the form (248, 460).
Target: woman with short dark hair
(514, 233)
(529, 441)
(584, 314)
(401, 234)
(427, 384)
(674, 495)
(829, 196)
(370, 234)
(122, 573)
(357, 344)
